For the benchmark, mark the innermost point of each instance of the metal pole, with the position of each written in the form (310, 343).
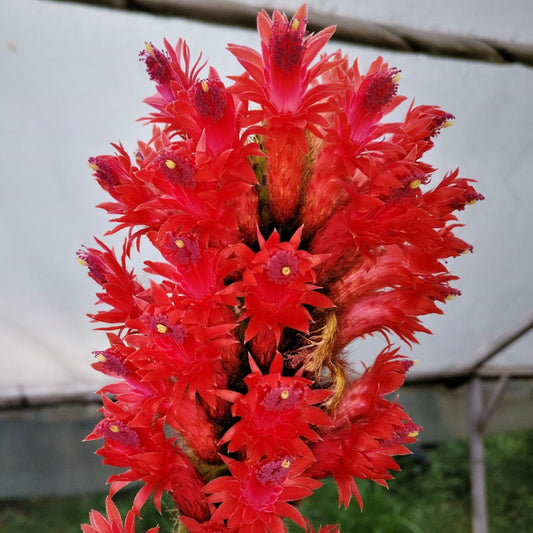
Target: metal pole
(477, 460)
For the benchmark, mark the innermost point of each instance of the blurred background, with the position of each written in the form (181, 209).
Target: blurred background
(72, 84)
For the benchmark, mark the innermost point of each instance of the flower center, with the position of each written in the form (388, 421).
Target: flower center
(473, 197)
(94, 264)
(110, 364)
(399, 436)
(452, 294)
(177, 169)
(274, 472)
(157, 63)
(183, 249)
(263, 485)
(121, 433)
(443, 120)
(287, 45)
(160, 324)
(381, 88)
(281, 399)
(282, 267)
(209, 99)
(104, 173)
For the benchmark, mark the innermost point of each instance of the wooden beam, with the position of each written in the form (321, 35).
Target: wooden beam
(477, 458)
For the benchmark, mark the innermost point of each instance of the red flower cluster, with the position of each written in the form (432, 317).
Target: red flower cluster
(290, 219)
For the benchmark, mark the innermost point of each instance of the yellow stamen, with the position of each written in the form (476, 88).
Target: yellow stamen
(450, 297)
(94, 167)
(170, 164)
(415, 184)
(284, 394)
(82, 262)
(447, 124)
(412, 434)
(179, 243)
(114, 428)
(414, 361)
(148, 48)
(205, 86)
(286, 463)
(286, 270)
(161, 328)
(295, 24)
(102, 358)
(471, 202)
(397, 78)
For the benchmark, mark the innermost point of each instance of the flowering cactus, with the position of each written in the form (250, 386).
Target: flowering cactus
(290, 220)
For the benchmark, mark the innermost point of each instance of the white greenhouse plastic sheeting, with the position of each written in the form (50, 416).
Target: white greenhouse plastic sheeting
(72, 84)
(476, 29)
(505, 21)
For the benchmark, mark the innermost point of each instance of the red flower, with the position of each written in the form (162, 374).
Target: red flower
(366, 431)
(386, 375)
(189, 355)
(282, 80)
(257, 493)
(113, 522)
(111, 171)
(277, 282)
(371, 97)
(120, 285)
(172, 71)
(360, 105)
(157, 64)
(215, 113)
(150, 458)
(276, 414)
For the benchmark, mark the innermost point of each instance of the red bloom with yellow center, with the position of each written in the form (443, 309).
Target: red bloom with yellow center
(367, 429)
(256, 495)
(276, 413)
(277, 284)
(281, 77)
(284, 80)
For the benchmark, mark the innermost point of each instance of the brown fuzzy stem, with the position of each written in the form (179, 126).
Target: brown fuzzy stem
(325, 362)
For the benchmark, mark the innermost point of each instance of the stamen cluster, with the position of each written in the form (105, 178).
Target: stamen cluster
(289, 219)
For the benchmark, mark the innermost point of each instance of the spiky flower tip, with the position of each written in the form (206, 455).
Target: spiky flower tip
(290, 219)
